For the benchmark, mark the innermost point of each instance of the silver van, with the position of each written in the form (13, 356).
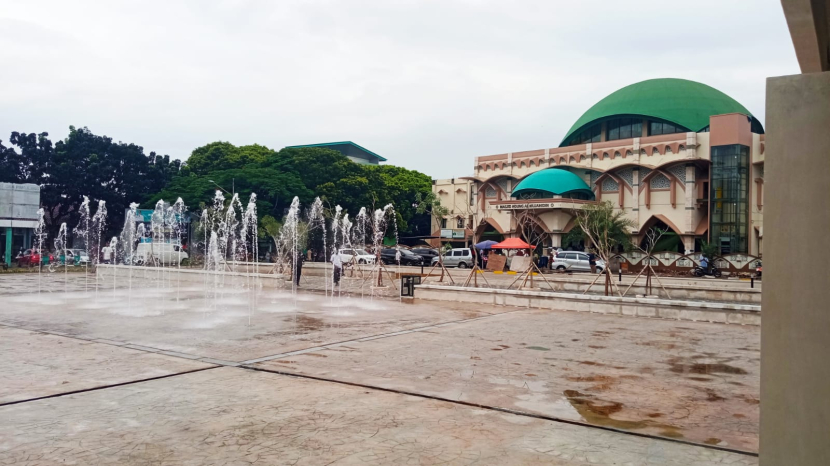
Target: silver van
(461, 258)
(575, 261)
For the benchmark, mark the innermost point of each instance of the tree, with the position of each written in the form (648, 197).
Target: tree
(606, 230)
(430, 204)
(84, 164)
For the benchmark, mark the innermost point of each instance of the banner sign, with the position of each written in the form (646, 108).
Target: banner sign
(526, 205)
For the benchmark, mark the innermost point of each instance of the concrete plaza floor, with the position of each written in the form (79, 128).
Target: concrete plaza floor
(195, 376)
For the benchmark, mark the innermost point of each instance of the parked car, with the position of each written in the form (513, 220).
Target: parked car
(575, 261)
(426, 253)
(79, 256)
(161, 253)
(408, 257)
(360, 256)
(461, 258)
(31, 258)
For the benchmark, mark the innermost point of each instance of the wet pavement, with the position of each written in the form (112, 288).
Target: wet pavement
(191, 375)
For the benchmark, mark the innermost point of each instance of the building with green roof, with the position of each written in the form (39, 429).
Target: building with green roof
(674, 155)
(354, 152)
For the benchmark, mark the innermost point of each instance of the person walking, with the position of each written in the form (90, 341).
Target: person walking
(592, 261)
(298, 268)
(338, 267)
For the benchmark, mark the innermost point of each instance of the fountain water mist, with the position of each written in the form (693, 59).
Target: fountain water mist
(250, 233)
(40, 236)
(99, 222)
(113, 248)
(129, 237)
(289, 239)
(82, 231)
(336, 228)
(60, 244)
(157, 230)
(317, 223)
(379, 225)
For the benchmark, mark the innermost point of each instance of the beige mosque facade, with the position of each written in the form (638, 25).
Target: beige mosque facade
(672, 154)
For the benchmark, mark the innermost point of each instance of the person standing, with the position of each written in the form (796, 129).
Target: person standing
(592, 261)
(338, 267)
(107, 251)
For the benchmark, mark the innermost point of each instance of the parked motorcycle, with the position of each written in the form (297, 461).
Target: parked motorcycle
(713, 271)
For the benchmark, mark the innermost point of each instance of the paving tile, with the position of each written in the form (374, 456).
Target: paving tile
(34, 365)
(238, 416)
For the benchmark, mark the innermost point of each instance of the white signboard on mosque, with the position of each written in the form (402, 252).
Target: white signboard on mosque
(525, 206)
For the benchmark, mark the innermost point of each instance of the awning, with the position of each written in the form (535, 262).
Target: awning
(511, 243)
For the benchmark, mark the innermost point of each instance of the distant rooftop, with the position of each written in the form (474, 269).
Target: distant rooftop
(351, 150)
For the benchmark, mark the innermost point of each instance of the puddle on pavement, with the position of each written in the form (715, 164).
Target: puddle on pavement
(712, 441)
(701, 368)
(538, 348)
(596, 347)
(598, 412)
(306, 324)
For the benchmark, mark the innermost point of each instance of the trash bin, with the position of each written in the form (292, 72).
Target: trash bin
(408, 283)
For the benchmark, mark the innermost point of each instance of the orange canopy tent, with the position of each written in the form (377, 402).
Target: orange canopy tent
(511, 243)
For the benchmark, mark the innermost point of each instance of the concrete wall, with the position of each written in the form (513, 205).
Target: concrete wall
(795, 335)
(191, 276)
(18, 205)
(636, 307)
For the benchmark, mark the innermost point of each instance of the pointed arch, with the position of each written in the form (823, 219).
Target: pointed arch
(653, 220)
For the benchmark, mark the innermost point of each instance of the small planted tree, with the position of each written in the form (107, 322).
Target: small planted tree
(430, 204)
(605, 230)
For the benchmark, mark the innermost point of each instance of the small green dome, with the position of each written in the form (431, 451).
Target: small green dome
(555, 181)
(679, 101)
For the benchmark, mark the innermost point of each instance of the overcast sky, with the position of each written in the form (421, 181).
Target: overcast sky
(428, 85)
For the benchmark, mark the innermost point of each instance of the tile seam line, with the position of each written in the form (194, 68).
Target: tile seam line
(104, 387)
(266, 357)
(379, 336)
(502, 410)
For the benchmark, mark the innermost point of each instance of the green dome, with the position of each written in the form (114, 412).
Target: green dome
(554, 181)
(679, 101)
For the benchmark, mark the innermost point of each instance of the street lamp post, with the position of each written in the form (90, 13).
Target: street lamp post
(233, 186)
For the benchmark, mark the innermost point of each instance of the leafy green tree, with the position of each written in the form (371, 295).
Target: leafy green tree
(84, 164)
(218, 156)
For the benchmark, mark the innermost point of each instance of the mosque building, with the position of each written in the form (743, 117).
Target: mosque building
(672, 154)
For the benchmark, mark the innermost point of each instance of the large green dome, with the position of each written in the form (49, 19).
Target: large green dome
(554, 181)
(679, 101)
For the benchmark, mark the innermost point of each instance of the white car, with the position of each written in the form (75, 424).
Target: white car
(359, 255)
(575, 261)
(158, 253)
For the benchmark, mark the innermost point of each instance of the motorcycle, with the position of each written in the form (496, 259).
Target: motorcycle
(713, 271)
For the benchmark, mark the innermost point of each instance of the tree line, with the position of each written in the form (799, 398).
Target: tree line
(85, 164)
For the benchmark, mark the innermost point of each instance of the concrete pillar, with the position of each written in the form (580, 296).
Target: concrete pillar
(635, 189)
(556, 240)
(795, 348)
(691, 197)
(8, 246)
(688, 243)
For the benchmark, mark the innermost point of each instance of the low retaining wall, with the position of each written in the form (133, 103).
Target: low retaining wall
(744, 314)
(738, 292)
(189, 276)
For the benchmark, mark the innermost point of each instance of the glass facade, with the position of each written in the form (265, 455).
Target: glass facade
(590, 134)
(624, 128)
(663, 127)
(729, 198)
